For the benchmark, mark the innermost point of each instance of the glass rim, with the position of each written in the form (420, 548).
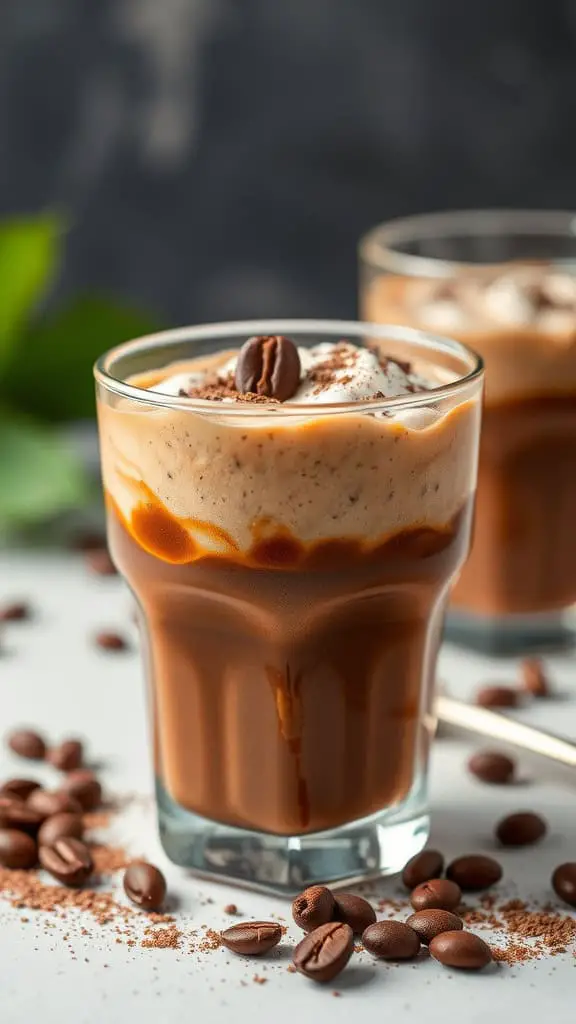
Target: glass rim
(248, 328)
(377, 246)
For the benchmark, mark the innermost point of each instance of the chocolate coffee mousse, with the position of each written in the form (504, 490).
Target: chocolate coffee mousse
(522, 319)
(291, 556)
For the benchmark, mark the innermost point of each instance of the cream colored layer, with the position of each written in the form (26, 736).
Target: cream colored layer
(520, 361)
(350, 475)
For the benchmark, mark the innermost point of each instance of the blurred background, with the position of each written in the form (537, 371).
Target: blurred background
(164, 161)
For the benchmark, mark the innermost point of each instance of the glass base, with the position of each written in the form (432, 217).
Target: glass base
(512, 634)
(284, 865)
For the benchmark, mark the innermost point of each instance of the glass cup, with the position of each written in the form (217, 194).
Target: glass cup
(291, 565)
(519, 582)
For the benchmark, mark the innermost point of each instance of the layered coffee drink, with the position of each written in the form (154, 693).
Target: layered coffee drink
(290, 515)
(522, 319)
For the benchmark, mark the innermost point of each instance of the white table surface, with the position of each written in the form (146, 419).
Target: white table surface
(51, 677)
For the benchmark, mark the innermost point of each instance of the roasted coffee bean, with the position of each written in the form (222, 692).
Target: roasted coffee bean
(463, 950)
(534, 678)
(69, 860)
(354, 911)
(108, 641)
(49, 802)
(498, 697)
(564, 882)
(20, 789)
(14, 813)
(492, 767)
(422, 867)
(61, 826)
(27, 743)
(83, 785)
(268, 366)
(521, 829)
(67, 757)
(145, 885)
(17, 849)
(323, 953)
(313, 907)
(429, 923)
(474, 872)
(391, 940)
(17, 611)
(252, 938)
(98, 561)
(437, 894)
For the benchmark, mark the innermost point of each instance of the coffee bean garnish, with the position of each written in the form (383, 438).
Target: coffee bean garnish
(252, 938)
(429, 923)
(354, 911)
(492, 767)
(521, 829)
(83, 785)
(564, 882)
(99, 561)
(391, 940)
(67, 756)
(20, 789)
(498, 697)
(313, 907)
(534, 678)
(14, 813)
(425, 865)
(268, 366)
(437, 894)
(61, 826)
(462, 950)
(474, 872)
(323, 953)
(17, 611)
(27, 743)
(17, 849)
(108, 641)
(48, 802)
(69, 861)
(145, 885)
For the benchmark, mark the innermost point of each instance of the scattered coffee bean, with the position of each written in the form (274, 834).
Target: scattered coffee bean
(474, 872)
(110, 641)
(425, 865)
(429, 923)
(61, 826)
(354, 911)
(99, 561)
(437, 894)
(17, 611)
(252, 938)
(498, 697)
(67, 756)
(313, 907)
(268, 366)
(231, 909)
(492, 767)
(323, 953)
(51, 802)
(83, 785)
(459, 949)
(391, 940)
(28, 744)
(17, 849)
(145, 885)
(520, 829)
(14, 813)
(69, 860)
(564, 882)
(20, 789)
(534, 678)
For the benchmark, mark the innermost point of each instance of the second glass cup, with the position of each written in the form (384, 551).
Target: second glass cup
(291, 562)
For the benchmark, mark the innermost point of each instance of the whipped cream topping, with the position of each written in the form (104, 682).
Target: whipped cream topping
(330, 372)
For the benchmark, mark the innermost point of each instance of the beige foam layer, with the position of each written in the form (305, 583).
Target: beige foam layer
(519, 361)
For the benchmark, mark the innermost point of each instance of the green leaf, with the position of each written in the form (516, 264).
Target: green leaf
(29, 257)
(39, 474)
(50, 376)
